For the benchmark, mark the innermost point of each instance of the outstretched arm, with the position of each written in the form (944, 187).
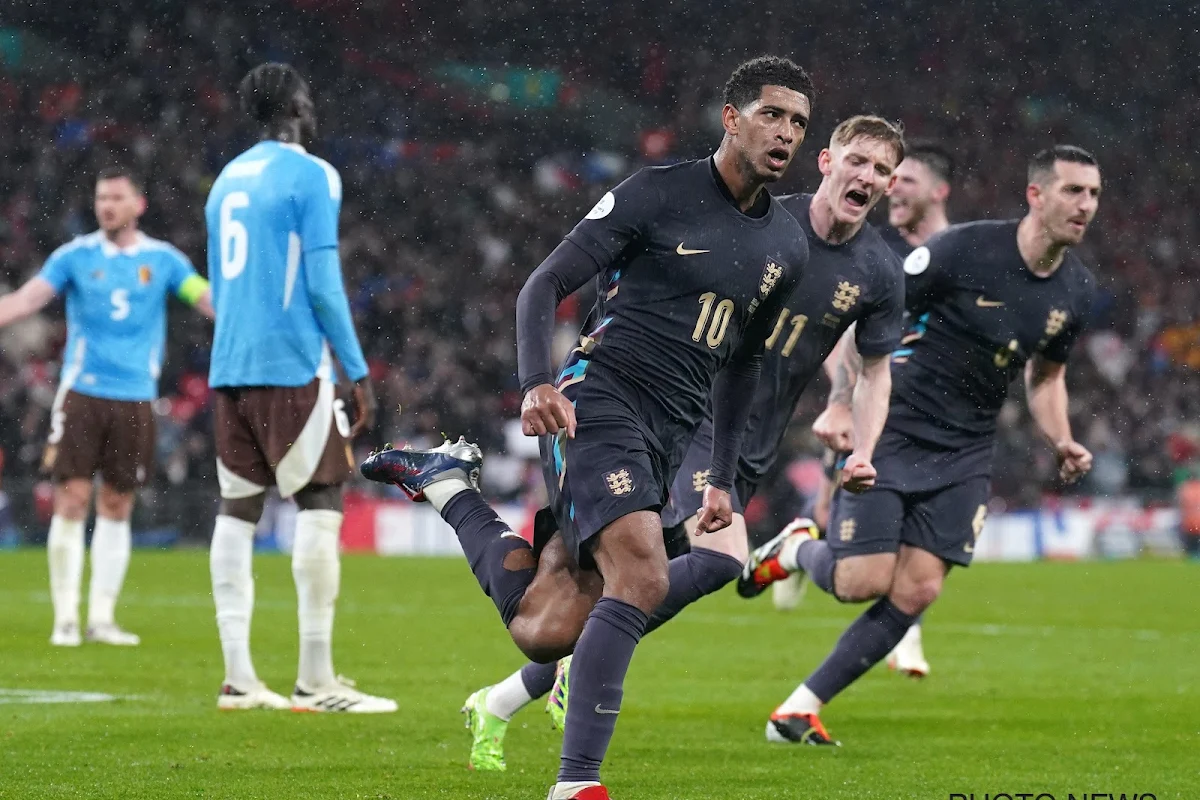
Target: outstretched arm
(28, 300)
(196, 292)
(1046, 391)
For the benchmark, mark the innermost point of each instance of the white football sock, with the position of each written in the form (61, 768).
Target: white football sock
(801, 701)
(64, 550)
(439, 493)
(789, 551)
(508, 697)
(229, 561)
(112, 541)
(317, 571)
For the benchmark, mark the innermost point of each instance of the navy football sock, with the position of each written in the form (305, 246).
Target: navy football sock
(538, 678)
(598, 670)
(503, 577)
(693, 575)
(816, 559)
(865, 643)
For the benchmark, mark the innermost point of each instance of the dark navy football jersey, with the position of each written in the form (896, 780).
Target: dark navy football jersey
(857, 281)
(894, 240)
(981, 315)
(687, 281)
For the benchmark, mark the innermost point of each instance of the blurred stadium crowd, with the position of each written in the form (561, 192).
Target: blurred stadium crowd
(462, 171)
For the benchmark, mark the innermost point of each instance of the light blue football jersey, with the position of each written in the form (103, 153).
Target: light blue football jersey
(272, 220)
(116, 312)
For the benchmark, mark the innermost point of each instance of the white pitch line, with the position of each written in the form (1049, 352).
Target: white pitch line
(52, 696)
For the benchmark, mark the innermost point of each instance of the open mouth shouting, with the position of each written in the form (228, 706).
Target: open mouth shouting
(777, 158)
(856, 200)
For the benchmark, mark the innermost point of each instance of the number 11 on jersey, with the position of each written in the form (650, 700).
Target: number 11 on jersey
(798, 323)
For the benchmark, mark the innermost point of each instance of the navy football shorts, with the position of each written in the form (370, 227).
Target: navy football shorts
(926, 496)
(687, 490)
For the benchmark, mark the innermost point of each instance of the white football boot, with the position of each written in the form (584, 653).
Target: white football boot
(232, 698)
(341, 697)
(110, 633)
(788, 593)
(908, 657)
(66, 635)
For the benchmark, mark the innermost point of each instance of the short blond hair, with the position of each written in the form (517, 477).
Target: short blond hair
(869, 127)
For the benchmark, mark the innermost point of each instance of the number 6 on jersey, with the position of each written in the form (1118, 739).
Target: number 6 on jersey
(235, 242)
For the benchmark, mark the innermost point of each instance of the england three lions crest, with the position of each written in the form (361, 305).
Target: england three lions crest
(620, 483)
(771, 275)
(1055, 322)
(846, 295)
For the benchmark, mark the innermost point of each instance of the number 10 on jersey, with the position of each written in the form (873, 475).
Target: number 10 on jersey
(719, 319)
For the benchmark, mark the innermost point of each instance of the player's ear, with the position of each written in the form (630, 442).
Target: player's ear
(1033, 195)
(891, 184)
(139, 201)
(825, 162)
(729, 119)
(941, 191)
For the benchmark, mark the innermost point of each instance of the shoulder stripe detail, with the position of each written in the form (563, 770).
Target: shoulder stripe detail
(246, 169)
(86, 241)
(331, 176)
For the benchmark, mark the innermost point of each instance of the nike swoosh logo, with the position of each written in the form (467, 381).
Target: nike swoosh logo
(984, 303)
(683, 251)
(600, 710)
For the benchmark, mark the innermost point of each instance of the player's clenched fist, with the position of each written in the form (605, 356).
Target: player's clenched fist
(716, 513)
(545, 410)
(1074, 461)
(835, 427)
(857, 475)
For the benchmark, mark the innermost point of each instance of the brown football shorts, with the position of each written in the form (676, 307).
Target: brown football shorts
(90, 435)
(291, 436)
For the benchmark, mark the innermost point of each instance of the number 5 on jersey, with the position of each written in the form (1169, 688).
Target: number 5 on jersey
(235, 242)
(120, 303)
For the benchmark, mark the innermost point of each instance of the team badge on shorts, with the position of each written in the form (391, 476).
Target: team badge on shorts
(700, 480)
(620, 483)
(846, 530)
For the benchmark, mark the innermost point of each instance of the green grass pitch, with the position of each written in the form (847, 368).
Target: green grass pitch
(1047, 678)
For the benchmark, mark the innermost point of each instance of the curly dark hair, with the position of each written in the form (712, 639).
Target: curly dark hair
(745, 84)
(267, 91)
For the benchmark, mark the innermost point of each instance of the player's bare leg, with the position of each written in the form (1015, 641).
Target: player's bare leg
(64, 550)
(112, 542)
(555, 607)
(915, 583)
